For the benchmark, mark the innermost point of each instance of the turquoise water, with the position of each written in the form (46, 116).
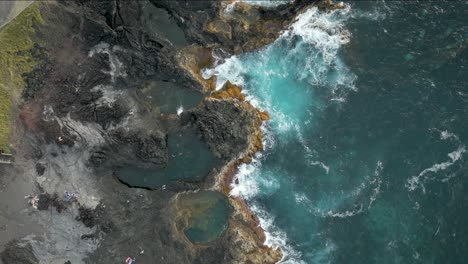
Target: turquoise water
(190, 159)
(207, 215)
(365, 151)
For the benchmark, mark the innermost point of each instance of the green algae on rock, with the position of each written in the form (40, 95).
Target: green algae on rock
(15, 60)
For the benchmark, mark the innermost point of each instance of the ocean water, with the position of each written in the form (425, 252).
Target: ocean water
(365, 158)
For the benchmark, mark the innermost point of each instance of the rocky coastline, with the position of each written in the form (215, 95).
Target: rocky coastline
(78, 114)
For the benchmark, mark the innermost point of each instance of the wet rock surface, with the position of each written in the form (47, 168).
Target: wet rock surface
(224, 125)
(149, 147)
(81, 115)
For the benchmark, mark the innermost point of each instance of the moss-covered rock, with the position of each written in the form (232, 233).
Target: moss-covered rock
(16, 59)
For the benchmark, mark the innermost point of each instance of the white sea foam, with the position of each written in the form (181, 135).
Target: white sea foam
(325, 34)
(266, 3)
(232, 70)
(372, 185)
(322, 165)
(180, 110)
(418, 181)
(377, 183)
(248, 185)
(444, 135)
(275, 237)
(325, 31)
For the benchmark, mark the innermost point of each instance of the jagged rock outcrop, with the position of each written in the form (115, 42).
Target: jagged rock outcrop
(225, 125)
(150, 147)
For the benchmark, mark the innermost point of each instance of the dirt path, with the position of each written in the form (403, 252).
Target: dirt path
(10, 9)
(15, 222)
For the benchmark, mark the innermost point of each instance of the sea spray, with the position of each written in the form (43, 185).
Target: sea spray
(180, 110)
(318, 34)
(391, 185)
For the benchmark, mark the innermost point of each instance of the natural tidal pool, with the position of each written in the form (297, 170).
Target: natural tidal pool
(190, 159)
(162, 25)
(169, 98)
(204, 215)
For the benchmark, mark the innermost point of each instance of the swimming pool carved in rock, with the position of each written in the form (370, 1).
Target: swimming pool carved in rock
(170, 98)
(202, 216)
(190, 159)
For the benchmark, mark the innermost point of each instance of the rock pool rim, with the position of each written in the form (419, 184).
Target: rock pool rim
(219, 197)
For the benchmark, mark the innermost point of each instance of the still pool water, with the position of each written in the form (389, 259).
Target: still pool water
(365, 158)
(190, 159)
(162, 25)
(205, 215)
(168, 98)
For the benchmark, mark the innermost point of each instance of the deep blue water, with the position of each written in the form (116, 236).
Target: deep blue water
(365, 156)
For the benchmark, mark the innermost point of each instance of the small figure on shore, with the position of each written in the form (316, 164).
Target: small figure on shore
(32, 200)
(129, 260)
(70, 197)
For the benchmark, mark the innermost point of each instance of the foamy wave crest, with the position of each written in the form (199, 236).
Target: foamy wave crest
(323, 34)
(331, 207)
(417, 181)
(231, 70)
(325, 31)
(248, 185)
(275, 237)
(320, 37)
(266, 3)
(180, 110)
(444, 135)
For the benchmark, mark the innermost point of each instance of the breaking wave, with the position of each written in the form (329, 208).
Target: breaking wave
(417, 181)
(320, 36)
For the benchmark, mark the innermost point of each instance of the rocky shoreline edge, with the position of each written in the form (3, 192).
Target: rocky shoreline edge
(70, 136)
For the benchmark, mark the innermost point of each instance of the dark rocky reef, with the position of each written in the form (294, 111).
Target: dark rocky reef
(225, 125)
(242, 29)
(148, 147)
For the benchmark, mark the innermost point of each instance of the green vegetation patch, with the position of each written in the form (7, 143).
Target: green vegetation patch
(15, 60)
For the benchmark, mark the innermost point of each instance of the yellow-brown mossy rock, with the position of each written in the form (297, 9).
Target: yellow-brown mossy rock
(258, 142)
(220, 27)
(229, 91)
(195, 58)
(249, 235)
(220, 94)
(247, 159)
(264, 116)
(234, 91)
(328, 5)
